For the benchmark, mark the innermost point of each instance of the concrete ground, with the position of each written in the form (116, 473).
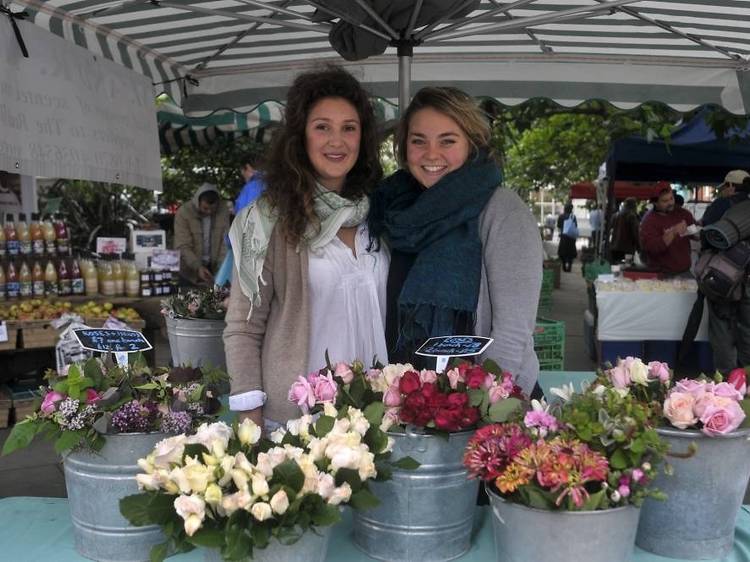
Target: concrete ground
(37, 470)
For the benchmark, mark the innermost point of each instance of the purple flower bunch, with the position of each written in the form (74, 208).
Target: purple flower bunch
(134, 417)
(176, 422)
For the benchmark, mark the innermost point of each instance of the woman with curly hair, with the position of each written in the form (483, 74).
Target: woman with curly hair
(306, 279)
(466, 256)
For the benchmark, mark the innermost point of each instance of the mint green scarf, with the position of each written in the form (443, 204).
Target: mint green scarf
(251, 232)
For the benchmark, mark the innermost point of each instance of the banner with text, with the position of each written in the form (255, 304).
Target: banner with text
(64, 112)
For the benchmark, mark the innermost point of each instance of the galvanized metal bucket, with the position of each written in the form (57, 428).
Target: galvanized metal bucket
(96, 481)
(525, 534)
(312, 547)
(704, 496)
(425, 514)
(196, 342)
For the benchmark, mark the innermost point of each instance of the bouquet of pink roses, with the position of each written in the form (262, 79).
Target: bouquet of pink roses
(714, 406)
(455, 400)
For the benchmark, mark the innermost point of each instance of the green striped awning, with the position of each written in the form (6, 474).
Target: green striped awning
(213, 55)
(177, 130)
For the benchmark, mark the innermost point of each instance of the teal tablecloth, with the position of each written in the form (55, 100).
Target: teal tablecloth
(39, 530)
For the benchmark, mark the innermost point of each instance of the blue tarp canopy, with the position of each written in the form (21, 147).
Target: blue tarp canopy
(694, 154)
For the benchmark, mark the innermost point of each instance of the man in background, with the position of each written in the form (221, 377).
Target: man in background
(595, 221)
(663, 234)
(732, 184)
(200, 226)
(253, 184)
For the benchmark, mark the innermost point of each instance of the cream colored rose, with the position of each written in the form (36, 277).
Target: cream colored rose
(227, 464)
(213, 495)
(208, 433)
(678, 409)
(340, 494)
(238, 500)
(259, 484)
(148, 481)
(169, 451)
(240, 479)
(261, 511)
(264, 465)
(178, 476)
(147, 464)
(317, 448)
(330, 410)
(326, 484)
(198, 476)
(638, 372)
(279, 502)
(241, 462)
(192, 509)
(248, 432)
(367, 467)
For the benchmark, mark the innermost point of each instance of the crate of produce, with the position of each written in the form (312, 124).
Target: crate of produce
(25, 403)
(6, 405)
(37, 334)
(12, 341)
(549, 344)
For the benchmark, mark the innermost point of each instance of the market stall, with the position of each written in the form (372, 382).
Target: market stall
(646, 318)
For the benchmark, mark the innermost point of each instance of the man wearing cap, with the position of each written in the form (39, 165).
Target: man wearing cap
(664, 243)
(727, 196)
(200, 227)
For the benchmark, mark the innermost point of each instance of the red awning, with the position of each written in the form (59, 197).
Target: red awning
(623, 189)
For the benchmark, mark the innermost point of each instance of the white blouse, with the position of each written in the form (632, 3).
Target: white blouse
(347, 308)
(347, 302)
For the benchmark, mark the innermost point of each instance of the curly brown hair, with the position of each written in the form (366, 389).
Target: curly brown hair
(289, 175)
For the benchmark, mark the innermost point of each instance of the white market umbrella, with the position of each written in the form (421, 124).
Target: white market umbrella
(235, 54)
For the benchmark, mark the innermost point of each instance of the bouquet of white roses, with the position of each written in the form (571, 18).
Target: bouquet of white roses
(230, 488)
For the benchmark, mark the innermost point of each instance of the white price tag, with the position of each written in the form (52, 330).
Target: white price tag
(3, 331)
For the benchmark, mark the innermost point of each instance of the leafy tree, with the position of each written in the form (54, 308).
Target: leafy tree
(219, 164)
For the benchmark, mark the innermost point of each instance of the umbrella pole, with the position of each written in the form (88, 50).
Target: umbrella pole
(405, 52)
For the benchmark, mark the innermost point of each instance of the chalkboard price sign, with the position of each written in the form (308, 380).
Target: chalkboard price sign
(454, 346)
(98, 339)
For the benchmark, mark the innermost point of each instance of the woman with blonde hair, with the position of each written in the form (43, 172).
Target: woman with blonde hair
(306, 279)
(466, 255)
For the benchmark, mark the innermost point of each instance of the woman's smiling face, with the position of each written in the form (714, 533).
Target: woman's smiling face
(332, 137)
(435, 146)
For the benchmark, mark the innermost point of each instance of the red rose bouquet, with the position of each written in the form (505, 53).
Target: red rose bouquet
(458, 399)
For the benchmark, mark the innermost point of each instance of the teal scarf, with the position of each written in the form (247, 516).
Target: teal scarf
(440, 226)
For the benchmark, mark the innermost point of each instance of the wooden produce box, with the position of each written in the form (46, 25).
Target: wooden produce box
(6, 404)
(12, 328)
(25, 403)
(38, 333)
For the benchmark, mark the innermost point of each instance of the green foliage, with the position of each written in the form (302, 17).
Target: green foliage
(219, 164)
(94, 209)
(545, 146)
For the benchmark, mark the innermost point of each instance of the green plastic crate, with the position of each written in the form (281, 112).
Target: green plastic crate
(549, 344)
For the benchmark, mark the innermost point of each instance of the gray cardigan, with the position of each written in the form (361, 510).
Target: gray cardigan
(269, 351)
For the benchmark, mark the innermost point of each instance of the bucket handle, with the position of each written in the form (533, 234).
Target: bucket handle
(413, 445)
(497, 514)
(691, 450)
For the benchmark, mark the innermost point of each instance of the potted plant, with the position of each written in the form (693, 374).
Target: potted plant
(430, 416)
(102, 418)
(577, 470)
(704, 423)
(246, 497)
(195, 325)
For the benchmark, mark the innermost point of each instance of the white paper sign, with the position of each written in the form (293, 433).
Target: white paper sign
(166, 259)
(65, 112)
(3, 331)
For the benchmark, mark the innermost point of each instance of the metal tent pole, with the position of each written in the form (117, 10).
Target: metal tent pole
(405, 53)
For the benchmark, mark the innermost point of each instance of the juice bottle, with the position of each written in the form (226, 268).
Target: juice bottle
(106, 278)
(2, 243)
(37, 279)
(132, 280)
(37, 236)
(50, 279)
(63, 278)
(24, 280)
(2, 283)
(118, 275)
(24, 238)
(61, 236)
(76, 279)
(48, 233)
(90, 278)
(11, 239)
(11, 281)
